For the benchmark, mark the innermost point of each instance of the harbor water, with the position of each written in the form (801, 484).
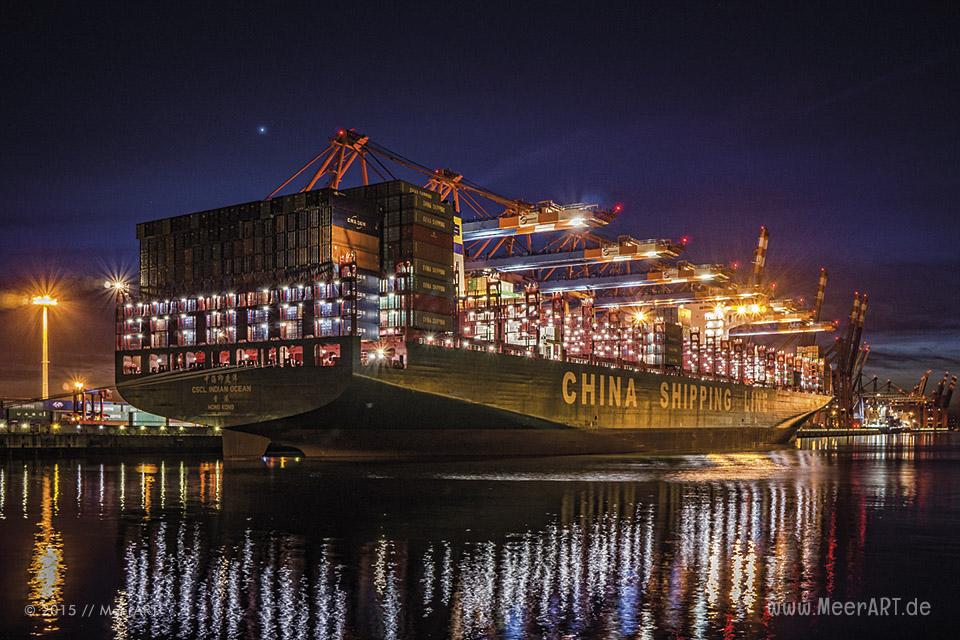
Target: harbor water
(837, 537)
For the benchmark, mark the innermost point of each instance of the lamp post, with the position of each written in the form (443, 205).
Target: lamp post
(79, 399)
(44, 302)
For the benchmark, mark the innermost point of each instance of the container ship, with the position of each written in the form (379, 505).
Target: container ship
(374, 322)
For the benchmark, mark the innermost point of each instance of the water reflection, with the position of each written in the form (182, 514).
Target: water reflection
(697, 547)
(102, 491)
(176, 585)
(26, 490)
(613, 562)
(46, 561)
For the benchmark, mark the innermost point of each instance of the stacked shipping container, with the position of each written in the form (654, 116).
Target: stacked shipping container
(418, 289)
(293, 238)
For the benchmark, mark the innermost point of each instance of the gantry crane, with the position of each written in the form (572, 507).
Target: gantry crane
(753, 311)
(511, 219)
(893, 406)
(846, 360)
(575, 258)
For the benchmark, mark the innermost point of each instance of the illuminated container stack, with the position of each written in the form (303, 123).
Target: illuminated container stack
(299, 266)
(293, 238)
(418, 288)
(498, 314)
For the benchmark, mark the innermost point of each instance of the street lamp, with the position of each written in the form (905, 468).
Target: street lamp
(44, 302)
(80, 399)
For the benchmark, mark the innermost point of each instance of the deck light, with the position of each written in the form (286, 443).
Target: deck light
(117, 285)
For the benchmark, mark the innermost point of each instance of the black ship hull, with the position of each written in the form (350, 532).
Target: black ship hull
(447, 402)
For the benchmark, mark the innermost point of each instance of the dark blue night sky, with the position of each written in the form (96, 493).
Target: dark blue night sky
(834, 125)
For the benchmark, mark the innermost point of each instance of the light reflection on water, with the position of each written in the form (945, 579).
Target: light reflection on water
(697, 546)
(46, 561)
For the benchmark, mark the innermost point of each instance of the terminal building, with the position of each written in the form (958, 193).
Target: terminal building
(64, 413)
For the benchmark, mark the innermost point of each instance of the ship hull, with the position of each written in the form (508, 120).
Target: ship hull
(445, 444)
(447, 403)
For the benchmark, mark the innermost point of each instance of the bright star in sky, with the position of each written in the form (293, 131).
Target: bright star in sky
(261, 130)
